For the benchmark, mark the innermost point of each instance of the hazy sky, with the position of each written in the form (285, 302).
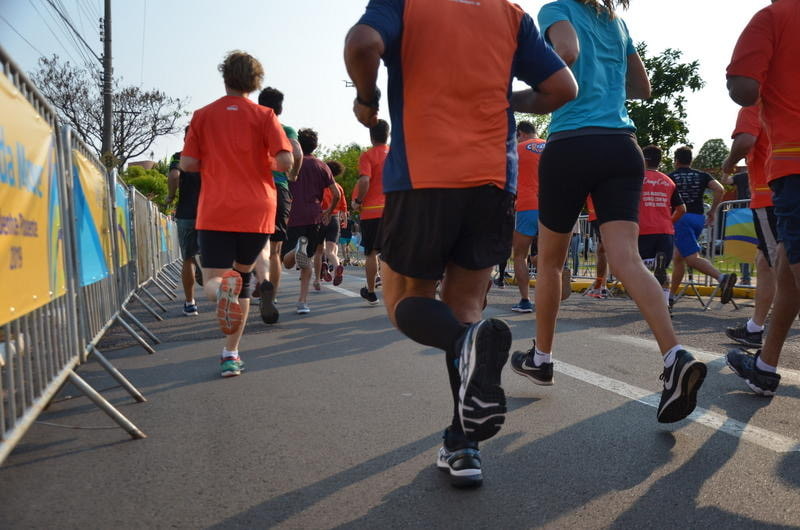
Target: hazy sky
(175, 45)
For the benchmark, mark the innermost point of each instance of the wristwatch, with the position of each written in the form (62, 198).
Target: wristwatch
(373, 103)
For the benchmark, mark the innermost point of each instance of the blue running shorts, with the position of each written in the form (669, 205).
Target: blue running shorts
(527, 223)
(687, 230)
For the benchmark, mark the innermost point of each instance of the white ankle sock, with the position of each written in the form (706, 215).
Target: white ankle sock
(764, 367)
(540, 357)
(669, 357)
(752, 327)
(226, 354)
(667, 294)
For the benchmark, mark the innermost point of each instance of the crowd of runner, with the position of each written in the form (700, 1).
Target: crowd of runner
(439, 210)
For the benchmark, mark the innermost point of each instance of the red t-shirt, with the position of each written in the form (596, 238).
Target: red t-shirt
(590, 209)
(235, 141)
(659, 198)
(767, 51)
(529, 153)
(327, 195)
(371, 165)
(749, 122)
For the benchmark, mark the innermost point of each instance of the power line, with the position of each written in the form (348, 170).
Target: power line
(60, 23)
(20, 35)
(52, 32)
(144, 31)
(65, 19)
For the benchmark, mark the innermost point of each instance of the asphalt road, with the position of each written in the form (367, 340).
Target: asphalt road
(337, 420)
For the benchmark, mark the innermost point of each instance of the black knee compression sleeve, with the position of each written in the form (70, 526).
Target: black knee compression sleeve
(247, 288)
(429, 322)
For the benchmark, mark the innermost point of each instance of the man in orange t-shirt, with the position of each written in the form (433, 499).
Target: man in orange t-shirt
(235, 143)
(526, 227)
(330, 248)
(765, 65)
(368, 198)
(750, 142)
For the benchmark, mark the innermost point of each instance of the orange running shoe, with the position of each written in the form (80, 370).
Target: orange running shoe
(229, 312)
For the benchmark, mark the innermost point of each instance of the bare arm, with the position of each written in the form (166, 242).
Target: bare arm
(362, 187)
(363, 48)
(283, 161)
(741, 146)
(549, 95)
(297, 155)
(173, 179)
(565, 41)
(678, 212)
(190, 164)
(743, 90)
(637, 84)
(326, 214)
(717, 191)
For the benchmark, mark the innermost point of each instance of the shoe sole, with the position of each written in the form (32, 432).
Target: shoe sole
(460, 479)
(758, 390)
(726, 291)
(526, 375)
(301, 258)
(191, 313)
(231, 373)
(689, 382)
(338, 277)
(522, 310)
(229, 312)
(482, 401)
(743, 341)
(269, 313)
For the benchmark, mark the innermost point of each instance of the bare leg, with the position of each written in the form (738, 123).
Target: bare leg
(305, 277)
(602, 267)
(553, 248)
(371, 269)
(765, 289)
(275, 263)
(703, 265)
(262, 264)
(521, 247)
(678, 270)
(620, 238)
(187, 278)
(784, 309)
(211, 281)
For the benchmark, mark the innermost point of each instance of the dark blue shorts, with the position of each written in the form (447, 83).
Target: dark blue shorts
(786, 198)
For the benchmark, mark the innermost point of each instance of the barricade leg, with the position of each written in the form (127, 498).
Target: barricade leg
(116, 374)
(106, 407)
(164, 289)
(135, 335)
(154, 299)
(141, 326)
(165, 276)
(149, 309)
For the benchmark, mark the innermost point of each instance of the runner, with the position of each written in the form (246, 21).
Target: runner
(529, 149)
(750, 141)
(306, 219)
(234, 142)
(268, 264)
(368, 199)
(692, 185)
(660, 207)
(765, 66)
(592, 150)
(334, 271)
(450, 180)
(187, 184)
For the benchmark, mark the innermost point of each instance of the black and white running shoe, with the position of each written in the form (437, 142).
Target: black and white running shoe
(269, 313)
(759, 381)
(742, 336)
(301, 257)
(523, 364)
(726, 285)
(481, 400)
(682, 380)
(464, 465)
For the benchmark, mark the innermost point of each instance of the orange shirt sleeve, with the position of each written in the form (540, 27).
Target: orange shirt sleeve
(191, 146)
(748, 121)
(365, 164)
(754, 49)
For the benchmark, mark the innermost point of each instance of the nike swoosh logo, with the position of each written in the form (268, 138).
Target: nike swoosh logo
(668, 382)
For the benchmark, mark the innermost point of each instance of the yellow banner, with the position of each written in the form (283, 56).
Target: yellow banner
(32, 269)
(95, 190)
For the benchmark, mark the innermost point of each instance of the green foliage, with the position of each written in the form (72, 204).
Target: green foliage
(711, 156)
(540, 121)
(661, 119)
(162, 166)
(150, 183)
(348, 155)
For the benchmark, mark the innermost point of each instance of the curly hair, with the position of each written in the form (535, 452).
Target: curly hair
(241, 71)
(606, 6)
(308, 140)
(336, 167)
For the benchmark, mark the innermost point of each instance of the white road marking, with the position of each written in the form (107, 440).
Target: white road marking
(764, 438)
(787, 375)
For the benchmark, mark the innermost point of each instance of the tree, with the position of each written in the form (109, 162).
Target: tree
(711, 156)
(661, 120)
(149, 182)
(348, 155)
(139, 116)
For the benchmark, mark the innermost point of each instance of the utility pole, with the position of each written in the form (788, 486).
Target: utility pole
(108, 131)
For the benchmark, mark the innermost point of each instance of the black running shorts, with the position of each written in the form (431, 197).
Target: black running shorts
(371, 230)
(652, 244)
(282, 213)
(766, 232)
(610, 167)
(424, 230)
(331, 230)
(219, 250)
(293, 233)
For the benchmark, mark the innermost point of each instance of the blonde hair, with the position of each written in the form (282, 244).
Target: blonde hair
(241, 71)
(606, 6)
